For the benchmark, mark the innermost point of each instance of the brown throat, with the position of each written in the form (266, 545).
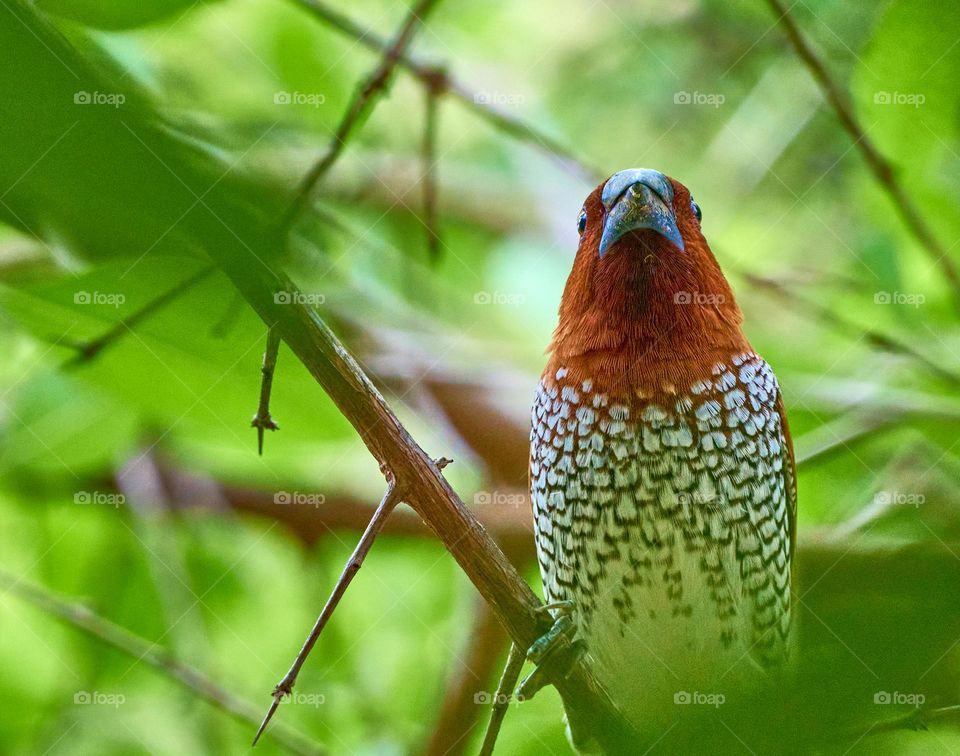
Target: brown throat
(647, 318)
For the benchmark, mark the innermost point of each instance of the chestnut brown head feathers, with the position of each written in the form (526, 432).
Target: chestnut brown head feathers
(645, 286)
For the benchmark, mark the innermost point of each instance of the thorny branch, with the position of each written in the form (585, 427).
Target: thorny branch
(138, 648)
(285, 687)
(365, 98)
(426, 490)
(878, 163)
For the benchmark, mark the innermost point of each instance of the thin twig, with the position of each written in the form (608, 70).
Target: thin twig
(879, 165)
(188, 677)
(364, 100)
(507, 123)
(87, 351)
(429, 177)
(390, 500)
(263, 420)
(877, 338)
(504, 695)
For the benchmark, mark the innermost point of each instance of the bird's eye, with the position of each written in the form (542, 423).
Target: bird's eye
(582, 221)
(696, 210)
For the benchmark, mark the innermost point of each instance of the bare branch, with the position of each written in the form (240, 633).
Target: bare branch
(366, 97)
(190, 678)
(879, 165)
(390, 500)
(426, 73)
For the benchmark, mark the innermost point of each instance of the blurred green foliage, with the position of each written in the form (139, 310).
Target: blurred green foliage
(133, 136)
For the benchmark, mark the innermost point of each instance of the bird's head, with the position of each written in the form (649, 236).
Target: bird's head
(646, 303)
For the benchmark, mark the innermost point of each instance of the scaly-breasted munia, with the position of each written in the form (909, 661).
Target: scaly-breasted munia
(661, 468)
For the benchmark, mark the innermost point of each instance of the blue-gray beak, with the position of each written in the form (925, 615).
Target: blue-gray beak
(638, 198)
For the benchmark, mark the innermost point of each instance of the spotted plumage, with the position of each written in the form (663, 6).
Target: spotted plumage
(663, 493)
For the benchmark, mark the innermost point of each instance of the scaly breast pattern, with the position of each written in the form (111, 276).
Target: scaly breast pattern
(668, 525)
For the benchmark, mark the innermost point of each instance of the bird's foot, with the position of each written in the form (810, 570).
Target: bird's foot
(555, 652)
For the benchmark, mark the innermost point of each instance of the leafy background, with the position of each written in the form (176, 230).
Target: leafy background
(109, 201)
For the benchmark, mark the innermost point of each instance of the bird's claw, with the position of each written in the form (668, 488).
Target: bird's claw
(554, 653)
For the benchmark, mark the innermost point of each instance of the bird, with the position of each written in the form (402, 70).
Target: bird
(662, 474)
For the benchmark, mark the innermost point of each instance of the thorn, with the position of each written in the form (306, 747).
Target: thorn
(442, 462)
(266, 719)
(261, 423)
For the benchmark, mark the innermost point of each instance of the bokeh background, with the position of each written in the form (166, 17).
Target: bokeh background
(129, 478)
